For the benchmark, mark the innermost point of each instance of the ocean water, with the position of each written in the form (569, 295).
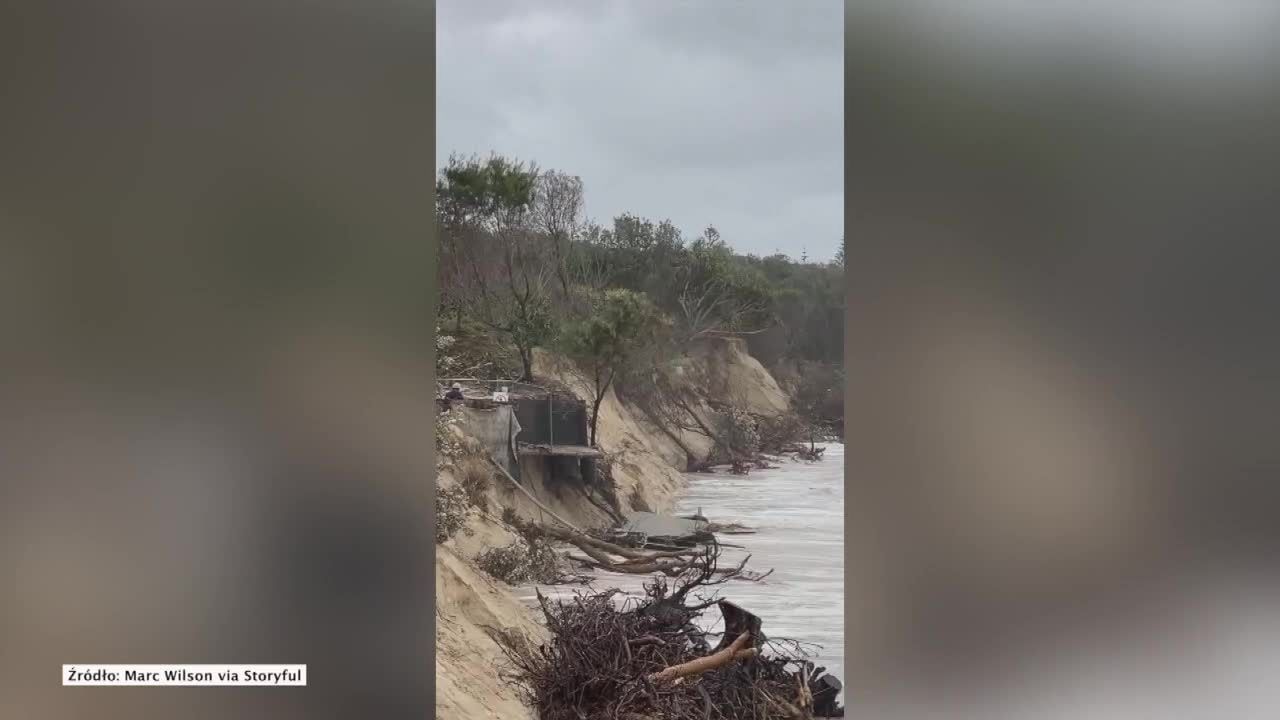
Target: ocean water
(797, 511)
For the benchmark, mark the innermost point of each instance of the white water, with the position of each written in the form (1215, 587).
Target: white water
(797, 511)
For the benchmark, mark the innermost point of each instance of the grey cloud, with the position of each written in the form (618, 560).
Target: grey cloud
(722, 113)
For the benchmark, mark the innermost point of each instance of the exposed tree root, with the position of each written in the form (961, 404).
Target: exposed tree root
(647, 660)
(707, 662)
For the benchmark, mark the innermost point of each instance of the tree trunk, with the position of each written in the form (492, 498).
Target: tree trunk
(526, 362)
(707, 431)
(691, 461)
(561, 271)
(598, 401)
(595, 415)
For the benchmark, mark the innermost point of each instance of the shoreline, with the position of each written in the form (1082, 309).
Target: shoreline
(773, 600)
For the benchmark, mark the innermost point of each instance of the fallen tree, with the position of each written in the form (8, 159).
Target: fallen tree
(671, 563)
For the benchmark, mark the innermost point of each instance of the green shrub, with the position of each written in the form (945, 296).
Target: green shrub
(510, 517)
(452, 509)
(739, 429)
(525, 560)
(782, 430)
(475, 479)
(448, 446)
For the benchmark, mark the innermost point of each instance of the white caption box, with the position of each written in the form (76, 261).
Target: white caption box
(185, 675)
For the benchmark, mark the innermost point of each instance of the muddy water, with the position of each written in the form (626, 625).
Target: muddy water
(797, 511)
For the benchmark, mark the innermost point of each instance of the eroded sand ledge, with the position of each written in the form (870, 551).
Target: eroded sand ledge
(647, 471)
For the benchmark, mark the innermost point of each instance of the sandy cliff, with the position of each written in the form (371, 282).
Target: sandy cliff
(647, 467)
(468, 660)
(646, 474)
(732, 375)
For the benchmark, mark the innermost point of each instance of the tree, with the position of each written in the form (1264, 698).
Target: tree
(589, 263)
(605, 341)
(716, 294)
(635, 253)
(517, 256)
(500, 268)
(557, 213)
(460, 208)
(819, 399)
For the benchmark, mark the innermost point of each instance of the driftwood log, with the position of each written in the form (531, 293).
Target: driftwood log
(630, 554)
(737, 650)
(635, 562)
(639, 562)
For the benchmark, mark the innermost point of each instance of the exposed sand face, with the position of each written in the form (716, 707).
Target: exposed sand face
(733, 375)
(647, 471)
(642, 456)
(468, 661)
(648, 463)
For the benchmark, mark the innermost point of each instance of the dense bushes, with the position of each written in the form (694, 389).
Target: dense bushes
(452, 510)
(524, 560)
(739, 434)
(780, 431)
(518, 260)
(475, 477)
(530, 558)
(448, 443)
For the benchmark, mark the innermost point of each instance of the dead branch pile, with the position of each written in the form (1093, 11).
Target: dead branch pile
(646, 659)
(811, 455)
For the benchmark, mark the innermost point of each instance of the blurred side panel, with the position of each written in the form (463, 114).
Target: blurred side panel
(216, 305)
(1063, 359)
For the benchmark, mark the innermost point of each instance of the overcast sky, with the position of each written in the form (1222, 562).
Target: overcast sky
(718, 112)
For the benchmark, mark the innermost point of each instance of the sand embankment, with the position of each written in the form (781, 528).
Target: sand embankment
(647, 474)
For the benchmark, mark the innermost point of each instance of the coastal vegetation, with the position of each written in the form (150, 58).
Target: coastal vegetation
(522, 267)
